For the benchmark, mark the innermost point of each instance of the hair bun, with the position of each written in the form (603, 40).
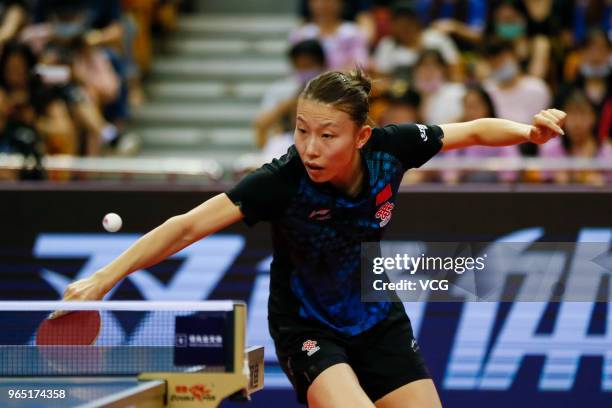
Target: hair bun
(360, 79)
(346, 91)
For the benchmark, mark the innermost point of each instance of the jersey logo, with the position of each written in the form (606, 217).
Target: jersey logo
(423, 130)
(310, 347)
(384, 195)
(320, 215)
(384, 213)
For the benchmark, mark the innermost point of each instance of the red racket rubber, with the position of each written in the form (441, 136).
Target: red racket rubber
(80, 328)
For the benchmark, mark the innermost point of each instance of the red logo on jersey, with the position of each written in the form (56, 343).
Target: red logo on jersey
(384, 195)
(310, 347)
(384, 213)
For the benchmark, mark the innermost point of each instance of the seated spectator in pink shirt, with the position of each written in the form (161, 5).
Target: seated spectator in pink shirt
(580, 140)
(516, 96)
(345, 45)
(477, 104)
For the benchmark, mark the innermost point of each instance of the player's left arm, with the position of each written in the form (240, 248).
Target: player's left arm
(501, 132)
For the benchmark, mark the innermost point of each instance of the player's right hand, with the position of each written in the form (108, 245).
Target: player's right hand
(91, 288)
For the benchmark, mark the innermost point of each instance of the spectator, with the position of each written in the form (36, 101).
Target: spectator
(544, 20)
(397, 54)
(345, 45)
(593, 75)
(358, 11)
(87, 115)
(441, 100)
(19, 137)
(516, 96)
(542, 17)
(464, 20)
(509, 22)
(94, 32)
(308, 61)
(478, 104)
(99, 20)
(81, 34)
(592, 69)
(401, 107)
(31, 103)
(17, 78)
(54, 122)
(579, 141)
(13, 15)
(381, 13)
(137, 20)
(580, 16)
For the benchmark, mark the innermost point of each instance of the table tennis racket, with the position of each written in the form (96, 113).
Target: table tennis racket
(79, 328)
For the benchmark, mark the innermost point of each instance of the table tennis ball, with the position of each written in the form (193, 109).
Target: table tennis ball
(112, 222)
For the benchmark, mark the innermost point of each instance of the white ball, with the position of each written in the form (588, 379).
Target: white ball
(112, 222)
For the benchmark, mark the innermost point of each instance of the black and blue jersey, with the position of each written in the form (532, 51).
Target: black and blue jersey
(317, 230)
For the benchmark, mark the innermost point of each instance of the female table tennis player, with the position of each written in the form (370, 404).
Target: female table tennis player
(334, 189)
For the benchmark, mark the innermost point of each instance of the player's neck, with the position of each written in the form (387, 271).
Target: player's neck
(350, 181)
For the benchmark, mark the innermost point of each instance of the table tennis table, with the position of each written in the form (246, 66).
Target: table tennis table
(157, 384)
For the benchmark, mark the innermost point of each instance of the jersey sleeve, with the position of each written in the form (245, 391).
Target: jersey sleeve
(264, 194)
(412, 144)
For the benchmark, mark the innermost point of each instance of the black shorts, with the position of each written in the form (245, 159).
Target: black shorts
(384, 357)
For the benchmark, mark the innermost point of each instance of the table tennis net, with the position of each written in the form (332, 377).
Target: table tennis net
(129, 342)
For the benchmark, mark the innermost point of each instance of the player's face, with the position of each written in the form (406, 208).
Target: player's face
(327, 140)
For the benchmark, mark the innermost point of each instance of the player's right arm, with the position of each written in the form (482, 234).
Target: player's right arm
(170, 237)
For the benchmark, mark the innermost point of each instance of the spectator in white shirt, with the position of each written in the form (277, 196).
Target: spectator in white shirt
(442, 100)
(399, 52)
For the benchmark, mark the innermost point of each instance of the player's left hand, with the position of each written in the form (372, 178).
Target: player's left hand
(546, 125)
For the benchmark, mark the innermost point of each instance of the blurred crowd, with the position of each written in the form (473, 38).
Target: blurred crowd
(441, 61)
(71, 69)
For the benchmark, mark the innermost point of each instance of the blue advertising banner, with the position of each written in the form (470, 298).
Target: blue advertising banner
(200, 339)
(499, 353)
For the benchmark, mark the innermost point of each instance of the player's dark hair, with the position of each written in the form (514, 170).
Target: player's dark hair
(348, 92)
